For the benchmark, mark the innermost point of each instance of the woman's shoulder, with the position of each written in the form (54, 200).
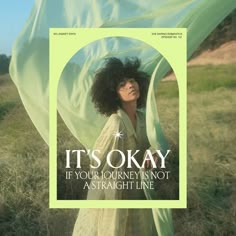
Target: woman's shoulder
(113, 125)
(114, 122)
(120, 118)
(115, 117)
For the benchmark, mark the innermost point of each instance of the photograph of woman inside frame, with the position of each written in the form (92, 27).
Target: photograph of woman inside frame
(118, 91)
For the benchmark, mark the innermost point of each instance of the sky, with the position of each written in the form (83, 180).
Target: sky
(13, 15)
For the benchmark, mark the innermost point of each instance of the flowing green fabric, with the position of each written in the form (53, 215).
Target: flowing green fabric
(29, 66)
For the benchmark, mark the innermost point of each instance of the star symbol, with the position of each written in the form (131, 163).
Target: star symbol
(118, 134)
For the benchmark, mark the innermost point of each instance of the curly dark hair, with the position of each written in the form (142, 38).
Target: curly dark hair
(104, 89)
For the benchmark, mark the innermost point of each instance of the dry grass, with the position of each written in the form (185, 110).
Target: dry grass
(211, 161)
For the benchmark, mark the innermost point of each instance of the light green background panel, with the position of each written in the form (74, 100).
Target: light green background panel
(170, 50)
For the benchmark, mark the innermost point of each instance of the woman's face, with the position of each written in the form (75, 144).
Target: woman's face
(128, 90)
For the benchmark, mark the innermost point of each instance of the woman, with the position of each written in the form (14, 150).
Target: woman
(117, 92)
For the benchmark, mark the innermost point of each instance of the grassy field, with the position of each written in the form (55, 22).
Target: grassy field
(211, 159)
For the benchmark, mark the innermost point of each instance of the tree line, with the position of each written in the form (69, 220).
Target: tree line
(4, 64)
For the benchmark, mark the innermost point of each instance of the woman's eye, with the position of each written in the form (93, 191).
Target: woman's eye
(131, 81)
(122, 84)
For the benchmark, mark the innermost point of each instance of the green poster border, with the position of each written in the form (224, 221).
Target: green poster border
(173, 49)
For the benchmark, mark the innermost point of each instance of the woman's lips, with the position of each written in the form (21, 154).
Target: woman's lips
(133, 91)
